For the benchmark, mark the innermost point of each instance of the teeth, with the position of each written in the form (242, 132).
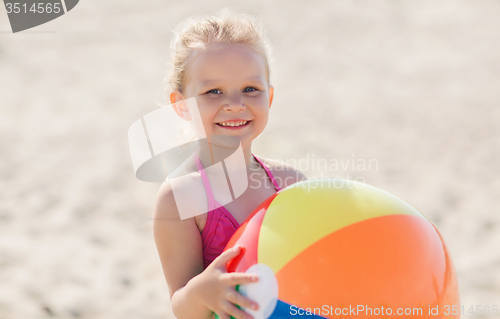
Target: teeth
(234, 123)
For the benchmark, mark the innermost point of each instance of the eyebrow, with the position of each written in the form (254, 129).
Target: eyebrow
(254, 78)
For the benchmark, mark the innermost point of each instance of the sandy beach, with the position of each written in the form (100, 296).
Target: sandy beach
(412, 86)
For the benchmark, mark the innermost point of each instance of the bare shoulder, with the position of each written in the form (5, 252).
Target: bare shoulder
(165, 208)
(284, 174)
(178, 241)
(183, 203)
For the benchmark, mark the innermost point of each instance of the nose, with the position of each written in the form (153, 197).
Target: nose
(234, 103)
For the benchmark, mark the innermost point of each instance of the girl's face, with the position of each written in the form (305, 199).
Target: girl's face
(229, 83)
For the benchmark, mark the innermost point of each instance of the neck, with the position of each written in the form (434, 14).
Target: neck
(250, 162)
(211, 153)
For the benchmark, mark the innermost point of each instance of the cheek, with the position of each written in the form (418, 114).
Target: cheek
(202, 119)
(263, 116)
(264, 121)
(207, 109)
(263, 110)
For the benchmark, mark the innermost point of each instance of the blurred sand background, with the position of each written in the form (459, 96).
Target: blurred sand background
(414, 85)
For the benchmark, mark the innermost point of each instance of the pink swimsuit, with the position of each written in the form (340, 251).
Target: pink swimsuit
(220, 225)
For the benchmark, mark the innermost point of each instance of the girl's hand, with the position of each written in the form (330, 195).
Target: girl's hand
(217, 287)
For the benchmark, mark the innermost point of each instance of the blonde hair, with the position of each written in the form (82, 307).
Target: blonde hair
(227, 27)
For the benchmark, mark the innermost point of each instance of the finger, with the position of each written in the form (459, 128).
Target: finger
(237, 298)
(235, 311)
(238, 278)
(226, 256)
(222, 315)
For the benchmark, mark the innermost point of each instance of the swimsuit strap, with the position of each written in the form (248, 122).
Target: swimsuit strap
(212, 204)
(206, 183)
(271, 177)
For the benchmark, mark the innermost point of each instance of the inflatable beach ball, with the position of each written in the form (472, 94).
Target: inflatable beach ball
(330, 248)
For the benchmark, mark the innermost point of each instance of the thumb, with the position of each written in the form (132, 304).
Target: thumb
(226, 256)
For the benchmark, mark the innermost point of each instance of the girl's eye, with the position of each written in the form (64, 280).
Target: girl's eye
(250, 87)
(246, 90)
(213, 91)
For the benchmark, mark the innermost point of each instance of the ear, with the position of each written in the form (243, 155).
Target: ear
(179, 105)
(271, 95)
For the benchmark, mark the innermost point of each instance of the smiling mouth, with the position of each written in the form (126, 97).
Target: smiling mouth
(233, 124)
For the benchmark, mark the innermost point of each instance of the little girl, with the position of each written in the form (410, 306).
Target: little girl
(222, 62)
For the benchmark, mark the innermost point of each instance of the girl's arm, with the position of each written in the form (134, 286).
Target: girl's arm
(180, 250)
(194, 291)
